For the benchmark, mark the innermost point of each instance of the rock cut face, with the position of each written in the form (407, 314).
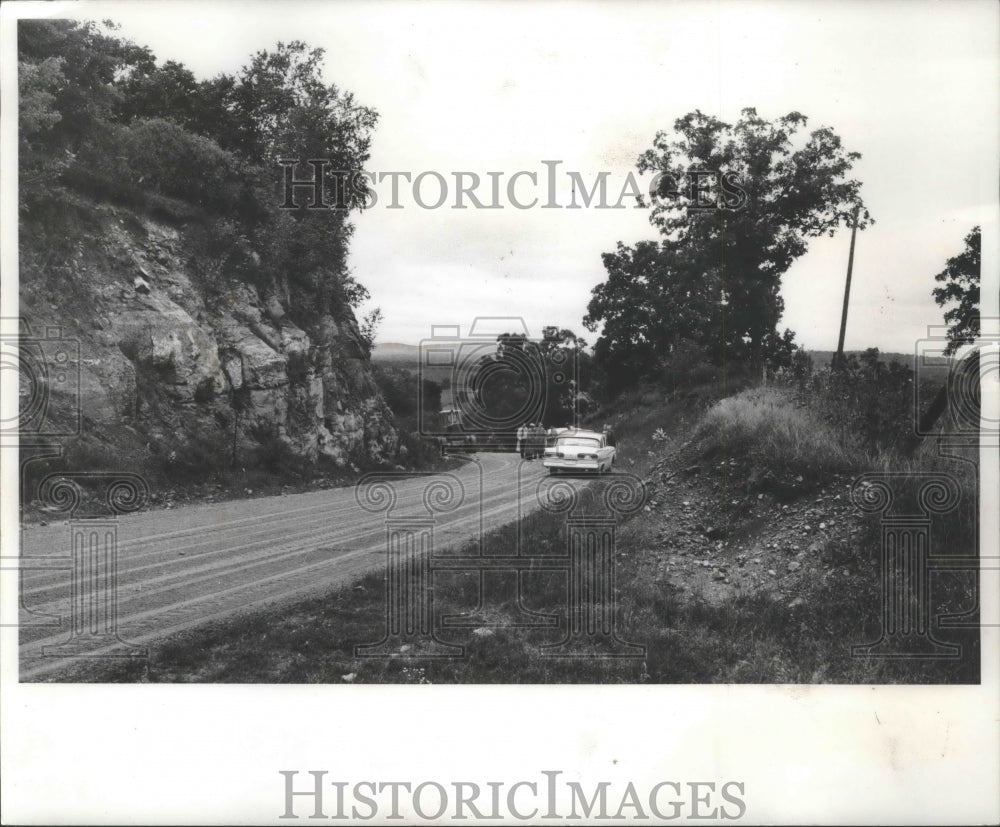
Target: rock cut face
(162, 355)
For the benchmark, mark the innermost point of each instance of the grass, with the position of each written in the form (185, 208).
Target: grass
(746, 639)
(752, 637)
(765, 426)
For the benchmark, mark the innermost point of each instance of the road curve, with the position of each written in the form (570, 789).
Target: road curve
(182, 567)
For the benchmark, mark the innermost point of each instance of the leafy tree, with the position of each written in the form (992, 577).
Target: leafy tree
(165, 158)
(100, 116)
(282, 109)
(38, 85)
(568, 375)
(736, 205)
(369, 327)
(402, 388)
(94, 64)
(168, 91)
(541, 379)
(641, 307)
(960, 279)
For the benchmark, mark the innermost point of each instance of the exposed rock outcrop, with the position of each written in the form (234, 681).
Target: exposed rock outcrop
(179, 360)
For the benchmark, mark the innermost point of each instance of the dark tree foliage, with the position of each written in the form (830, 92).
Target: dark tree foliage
(93, 66)
(99, 115)
(715, 277)
(524, 378)
(651, 306)
(960, 279)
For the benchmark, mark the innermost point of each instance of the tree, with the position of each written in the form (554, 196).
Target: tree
(282, 109)
(533, 379)
(960, 278)
(639, 305)
(285, 110)
(98, 115)
(735, 205)
(94, 64)
(369, 328)
(37, 86)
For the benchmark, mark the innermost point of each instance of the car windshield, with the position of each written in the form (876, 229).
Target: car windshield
(578, 442)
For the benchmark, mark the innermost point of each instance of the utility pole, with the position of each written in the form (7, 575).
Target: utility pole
(838, 358)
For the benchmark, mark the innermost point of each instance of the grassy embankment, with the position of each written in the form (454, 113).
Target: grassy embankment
(746, 462)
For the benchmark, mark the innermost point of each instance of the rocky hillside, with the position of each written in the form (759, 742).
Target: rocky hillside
(178, 370)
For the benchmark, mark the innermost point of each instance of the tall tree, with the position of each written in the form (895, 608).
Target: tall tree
(94, 63)
(650, 305)
(99, 115)
(736, 205)
(284, 110)
(960, 279)
(540, 380)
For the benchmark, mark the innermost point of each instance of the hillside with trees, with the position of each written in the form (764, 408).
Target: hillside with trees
(216, 329)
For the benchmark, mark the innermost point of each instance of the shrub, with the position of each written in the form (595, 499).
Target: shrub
(158, 156)
(768, 428)
(867, 399)
(276, 456)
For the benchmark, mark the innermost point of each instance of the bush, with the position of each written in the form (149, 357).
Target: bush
(775, 434)
(158, 156)
(401, 390)
(276, 456)
(867, 400)
(687, 366)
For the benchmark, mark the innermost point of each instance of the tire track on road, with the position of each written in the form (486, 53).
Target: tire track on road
(164, 597)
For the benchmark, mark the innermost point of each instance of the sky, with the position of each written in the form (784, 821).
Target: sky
(503, 87)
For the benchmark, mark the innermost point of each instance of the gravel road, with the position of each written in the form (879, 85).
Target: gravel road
(179, 568)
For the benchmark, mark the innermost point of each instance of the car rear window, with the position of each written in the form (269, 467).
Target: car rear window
(578, 442)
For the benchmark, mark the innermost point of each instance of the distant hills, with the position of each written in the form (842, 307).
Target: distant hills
(397, 355)
(400, 356)
(931, 365)
(395, 352)
(403, 355)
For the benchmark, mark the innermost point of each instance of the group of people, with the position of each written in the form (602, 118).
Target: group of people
(531, 440)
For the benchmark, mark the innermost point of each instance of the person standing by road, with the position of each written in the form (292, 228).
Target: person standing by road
(609, 437)
(538, 440)
(522, 433)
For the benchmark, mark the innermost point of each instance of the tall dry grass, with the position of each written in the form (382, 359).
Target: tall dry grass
(768, 427)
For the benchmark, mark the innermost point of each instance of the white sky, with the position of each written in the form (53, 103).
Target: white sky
(503, 86)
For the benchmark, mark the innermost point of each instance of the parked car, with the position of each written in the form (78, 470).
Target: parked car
(579, 451)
